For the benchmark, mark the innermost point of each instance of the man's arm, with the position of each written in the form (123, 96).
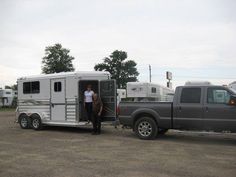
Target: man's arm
(101, 107)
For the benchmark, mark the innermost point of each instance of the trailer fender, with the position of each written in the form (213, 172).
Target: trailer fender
(29, 114)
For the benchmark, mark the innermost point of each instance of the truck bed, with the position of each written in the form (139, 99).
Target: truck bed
(128, 111)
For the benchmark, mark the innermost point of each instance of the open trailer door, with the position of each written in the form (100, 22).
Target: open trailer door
(108, 96)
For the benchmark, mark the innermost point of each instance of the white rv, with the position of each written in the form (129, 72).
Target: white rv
(57, 99)
(6, 97)
(233, 85)
(144, 91)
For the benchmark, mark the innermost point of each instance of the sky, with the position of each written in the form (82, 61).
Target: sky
(194, 39)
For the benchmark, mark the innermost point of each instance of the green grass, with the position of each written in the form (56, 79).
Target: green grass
(7, 109)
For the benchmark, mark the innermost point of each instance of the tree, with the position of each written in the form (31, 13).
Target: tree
(57, 59)
(122, 71)
(7, 87)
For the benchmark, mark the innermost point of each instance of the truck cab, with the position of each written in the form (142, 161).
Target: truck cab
(204, 108)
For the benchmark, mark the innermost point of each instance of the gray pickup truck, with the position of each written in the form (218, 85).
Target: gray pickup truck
(206, 107)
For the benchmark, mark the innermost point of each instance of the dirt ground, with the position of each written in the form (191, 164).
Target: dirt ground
(65, 152)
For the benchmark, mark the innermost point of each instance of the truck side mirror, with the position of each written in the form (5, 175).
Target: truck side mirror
(232, 100)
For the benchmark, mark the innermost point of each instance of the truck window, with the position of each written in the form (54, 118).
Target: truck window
(31, 87)
(217, 96)
(190, 95)
(57, 86)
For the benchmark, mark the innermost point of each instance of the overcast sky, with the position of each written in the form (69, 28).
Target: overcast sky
(195, 39)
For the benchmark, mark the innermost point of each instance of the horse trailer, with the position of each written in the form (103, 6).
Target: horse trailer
(144, 91)
(57, 99)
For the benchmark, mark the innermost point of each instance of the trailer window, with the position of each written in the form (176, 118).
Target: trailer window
(57, 86)
(191, 95)
(31, 87)
(154, 90)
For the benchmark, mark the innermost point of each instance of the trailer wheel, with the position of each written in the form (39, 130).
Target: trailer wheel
(146, 128)
(36, 123)
(24, 121)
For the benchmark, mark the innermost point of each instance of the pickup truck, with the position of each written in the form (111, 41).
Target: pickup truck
(196, 107)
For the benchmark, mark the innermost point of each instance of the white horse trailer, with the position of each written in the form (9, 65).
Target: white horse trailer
(57, 99)
(233, 85)
(6, 97)
(144, 91)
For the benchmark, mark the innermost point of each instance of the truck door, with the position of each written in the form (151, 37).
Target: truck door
(189, 109)
(108, 97)
(218, 114)
(58, 99)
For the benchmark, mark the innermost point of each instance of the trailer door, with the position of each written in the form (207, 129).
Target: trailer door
(108, 97)
(58, 99)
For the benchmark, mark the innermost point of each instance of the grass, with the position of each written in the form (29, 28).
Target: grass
(5, 109)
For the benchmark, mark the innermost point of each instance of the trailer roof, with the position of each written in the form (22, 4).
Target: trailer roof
(65, 74)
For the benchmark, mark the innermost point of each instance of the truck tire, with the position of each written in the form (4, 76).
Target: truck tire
(36, 123)
(146, 128)
(24, 121)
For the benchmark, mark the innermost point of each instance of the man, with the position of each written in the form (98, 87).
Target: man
(97, 111)
(88, 102)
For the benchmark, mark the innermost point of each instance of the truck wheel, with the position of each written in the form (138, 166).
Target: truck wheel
(36, 123)
(24, 121)
(162, 131)
(146, 128)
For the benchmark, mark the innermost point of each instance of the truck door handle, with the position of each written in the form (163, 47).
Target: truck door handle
(207, 109)
(180, 108)
(52, 105)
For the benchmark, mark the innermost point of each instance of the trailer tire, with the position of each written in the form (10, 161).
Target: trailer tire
(146, 128)
(24, 121)
(36, 123)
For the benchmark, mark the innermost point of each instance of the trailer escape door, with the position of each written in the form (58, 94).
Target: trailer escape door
(58, 99)
(108, 96)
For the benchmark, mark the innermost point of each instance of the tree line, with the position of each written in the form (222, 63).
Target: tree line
(57, 59)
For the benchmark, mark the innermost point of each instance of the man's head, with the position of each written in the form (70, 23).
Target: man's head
(95, 96)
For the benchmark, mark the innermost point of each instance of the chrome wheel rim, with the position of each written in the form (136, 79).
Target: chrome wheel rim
(35, 123)
(145, 128)
(24, 122)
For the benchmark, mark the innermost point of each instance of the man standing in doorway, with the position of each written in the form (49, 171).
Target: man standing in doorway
(97, 111)
(88, 102)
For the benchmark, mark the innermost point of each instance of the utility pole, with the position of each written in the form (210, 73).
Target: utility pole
(150, 73)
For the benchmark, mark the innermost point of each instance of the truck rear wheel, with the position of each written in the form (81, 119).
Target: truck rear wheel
(24, 121)
(146, 128)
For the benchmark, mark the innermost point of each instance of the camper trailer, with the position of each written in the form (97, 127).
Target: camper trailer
(144, 91)
(6, 97)
(233, 85)
(57, 99)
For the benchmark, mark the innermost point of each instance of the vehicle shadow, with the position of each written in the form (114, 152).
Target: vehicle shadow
(199, 138)
(68, 129)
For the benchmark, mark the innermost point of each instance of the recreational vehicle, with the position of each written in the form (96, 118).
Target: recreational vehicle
(7, 97)
(57, 99)
(233, 85)
(144, 91)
